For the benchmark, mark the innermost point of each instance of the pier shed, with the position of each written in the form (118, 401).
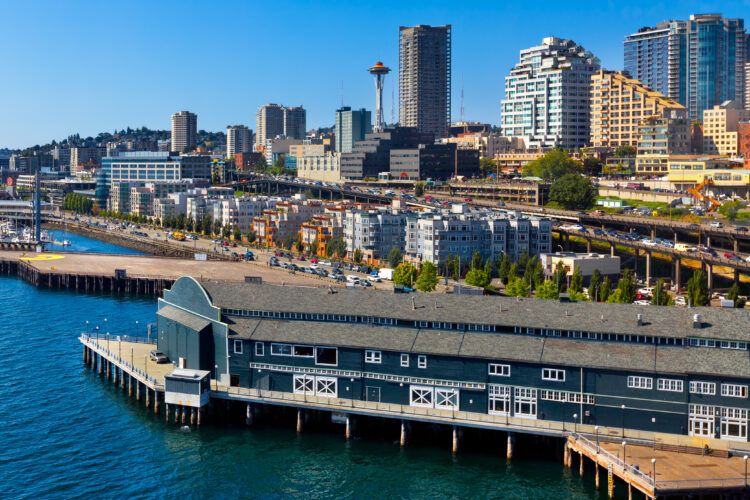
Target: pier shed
(185, 387)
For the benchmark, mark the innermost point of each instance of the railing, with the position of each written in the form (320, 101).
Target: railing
(616, 462)
(111, 356)
(695, 484)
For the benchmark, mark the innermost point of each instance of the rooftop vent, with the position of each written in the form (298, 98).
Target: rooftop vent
(640, 319)
(697, 323)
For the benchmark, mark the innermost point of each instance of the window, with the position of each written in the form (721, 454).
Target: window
(405, 360)
(303, 351)
(446, 399)
(326, 356)
(311, 385)
(259, 349)
(422, 361)
(668, 384)
(373, 357)
(524, 402)
(499, 400)
(734, 390)
(238, 347)
(281, 349)
(500, 370)
(640, 382)
(701, 420)
(553, 374)
(702, 388)
(421, 396)
(733, 424)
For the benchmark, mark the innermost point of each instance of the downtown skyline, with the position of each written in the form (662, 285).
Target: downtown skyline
(99, 68)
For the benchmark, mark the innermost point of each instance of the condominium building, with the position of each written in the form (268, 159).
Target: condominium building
(320, 229)
(239, 140)
(295, 122)
(743, 131)
(272, 227)
(703, 60)
(721, 128)
(274, 120)
(547, 95)
(184, 131)
(424, 76)
(240, 212)
(375, 232)
(351, 126)
(619, 104)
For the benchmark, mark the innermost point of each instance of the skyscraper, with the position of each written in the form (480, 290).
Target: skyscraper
(184, 131)
(351, 126)
(703, 60)
(273, 120)
(547, 95)
(424, 77)
(239, 140)
(295, 122)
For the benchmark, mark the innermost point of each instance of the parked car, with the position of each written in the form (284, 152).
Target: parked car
(374, 279)
(716, 224)
(301, 257)
(742, 229)
(158, 356)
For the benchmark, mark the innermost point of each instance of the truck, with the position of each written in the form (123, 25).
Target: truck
(178, 236)
(386, 274)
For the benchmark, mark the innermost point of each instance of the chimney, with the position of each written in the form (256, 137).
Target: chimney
(697, 323)
(640, 319)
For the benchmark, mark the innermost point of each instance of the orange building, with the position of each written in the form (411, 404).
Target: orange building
(744, 139)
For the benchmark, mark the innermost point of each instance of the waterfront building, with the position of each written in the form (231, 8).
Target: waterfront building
(239, 140)
(324, 168)
(374, 231)
(665, 373)
(184, 131)
(702, 60)
(721, 128)
(424, 78)
(587, 263)
(240, 211)
(351, 126)
(618, 106)
(547, 96)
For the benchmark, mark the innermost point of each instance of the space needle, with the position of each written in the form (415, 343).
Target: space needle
(379, 71)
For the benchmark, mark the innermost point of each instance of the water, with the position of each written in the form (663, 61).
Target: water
(66, 433)
(86, 245)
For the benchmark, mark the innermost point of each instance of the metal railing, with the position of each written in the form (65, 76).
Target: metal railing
(93, 342)
(616, 461)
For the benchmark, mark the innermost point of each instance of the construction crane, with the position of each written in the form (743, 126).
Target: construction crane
(713, 204)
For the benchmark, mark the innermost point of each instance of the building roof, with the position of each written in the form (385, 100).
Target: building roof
(192, 321)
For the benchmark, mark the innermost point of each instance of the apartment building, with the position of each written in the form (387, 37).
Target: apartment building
(273, 226)
(184, 131)
(743, 133)
(375, 232)
(239, 212)
(618, 106)
(351, 126)
(239, 140)
(320, 229)
(721, 128)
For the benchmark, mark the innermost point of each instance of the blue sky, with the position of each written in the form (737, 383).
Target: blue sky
(85, 67)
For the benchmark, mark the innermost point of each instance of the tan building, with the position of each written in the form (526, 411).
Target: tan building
(184, 131)
(274, 226)
(721, 128)
(325, 168)
(619, 104)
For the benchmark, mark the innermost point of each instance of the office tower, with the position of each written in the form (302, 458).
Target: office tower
(184, 131)
(547, 95)
(351, 126)
(619, 104)
(705, 60)
(295, 122)
(424, 76)
(239, 140)
(269, 122)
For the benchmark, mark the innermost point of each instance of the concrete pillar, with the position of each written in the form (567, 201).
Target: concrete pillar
(653, 233)
(348, 427)
(736, 245)
(566, 452)
(192, 416)
(596, 475)
(299, 420)
(676, 272)
(403, 433)
(108, 367)
(675, 237)
(611, 249)
(148, 399)
(648, 268)
(166, 413)
(130, 386)
(708, 241)
(710, 277)
(588, 246)
(137, 390)
(736, 276)
(122, 379)
(580, 464)
(630, 491)
(249, 414)
(509, 446)
(455, 439)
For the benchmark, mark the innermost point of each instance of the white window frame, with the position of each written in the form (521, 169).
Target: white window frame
(553, 374)
(276, 344)
(669, 384)
(498, 369)
(523, 397)
(701, 420)
(404, 360)
(498, 399)
(734, 390)
(733, 417)
(638, 382)
(259, 349)
(446, 399)
(374, 357)
(697, 387)
(422, 361)
(235, 344)
(336, 349)
(425, 396)
(294, 353)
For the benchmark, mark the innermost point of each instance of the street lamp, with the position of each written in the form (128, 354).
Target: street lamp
(145, 364)
(596, 429)
(136, 328)
(87, 328)
(575, 423)
(132, 357)
(623, 420)
(216, 376)
(97, 334)
(745, 459)
(653, 469)
(624, 450)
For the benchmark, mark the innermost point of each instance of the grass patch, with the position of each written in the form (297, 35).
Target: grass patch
(636, 203)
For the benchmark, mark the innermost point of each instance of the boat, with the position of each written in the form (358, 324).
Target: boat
(44, 237)
(66, 243)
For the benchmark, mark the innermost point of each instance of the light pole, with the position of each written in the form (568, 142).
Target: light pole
(87, 328)
(216, 376)
(653, 470)
(596, 429)
(575, 423)
(132, 357)
(145, 364)
(623, 420)
(745, 459)
(136, 328)
(624, 450)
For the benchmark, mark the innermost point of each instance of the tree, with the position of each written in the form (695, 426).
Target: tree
(698, 289)
(300, 246)
(576, 281)
(592, 166)
(730, 209)
(660, 296)
(734, 294)
(503, 267)
(477, 277)
(489, 268)
(573, 191)
(512, 272)
(427, 280)
(623, 151)
(605, 290)
(261, 165)
(476, 260)
(290, 241)
(357, 255)
(560, 276)
(419, 189)
(547, 290)
(405, 274)
(395, 256)
(251, 235)
(336, 247)
(225, 231)
(518, 287)
(487, 166)
(523, 258)
(553, 165)
(237, 235)
(595, 285)
(532, 271)
(627, 287)
(206, 226)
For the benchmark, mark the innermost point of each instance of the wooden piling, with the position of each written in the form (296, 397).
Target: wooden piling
(455, 439)
(580, 465)
(137, 390)
(85, 355)
(596, 475)
(177, 410)
(200, 416)
(192, 416)
(156, 403)
(403, 433)
(299, 420)
(166, 412)
(183, 415)
(148, 399)
(130, 386)
(249, 414)
(348, 427)
(509, 450)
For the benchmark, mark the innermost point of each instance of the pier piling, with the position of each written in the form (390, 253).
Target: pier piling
(183, 416)
(192, 416)
(596, 475)
(249, 414)
(177, 410)
(156, 403)
(166, 412)
(348, 427)
(200, 416)
(299, 421)
(455, 439)
(137, 390)
(509, 451)
(148, 401)
(403, 433)
(580, 464)
(130, 386)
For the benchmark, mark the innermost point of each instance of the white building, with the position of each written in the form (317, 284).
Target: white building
(547, 95)
(374, 232)
(239, 212)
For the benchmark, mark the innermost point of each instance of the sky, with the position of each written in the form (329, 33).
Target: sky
(89, 67)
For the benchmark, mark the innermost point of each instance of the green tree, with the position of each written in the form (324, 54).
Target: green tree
(489, 268)
(477, 277)
(573, 191)
(251, 235)
(290, 241)
(487, 166)
(615, 297)
(627, 287)
(592, 166)
(357, 255)
(523, 258)
(512, 272)
(503, 268)
(595, 284)
(419, 189)
(560, 276)
(733, 294)
(660, 296)
(605, 290)
(427, 280)
(190, 224)
(206, 225)
(476, 260)
(237, 235)
(217, 227)
(225, 231)
(300, 246)
(730, 209)
(576, 281)
(405, 274)
(553, 165)
(261, 165)
(518, 287)
(698, 289)
(623, 151)
(336, 248)
(395, 256)
(547, 290)
(448, 265)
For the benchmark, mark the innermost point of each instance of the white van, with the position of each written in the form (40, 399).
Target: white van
(352, 278)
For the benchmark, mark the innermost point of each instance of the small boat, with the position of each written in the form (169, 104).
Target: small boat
(66, 243)
(44, 237)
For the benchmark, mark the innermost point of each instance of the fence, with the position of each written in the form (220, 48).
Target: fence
(93, 343)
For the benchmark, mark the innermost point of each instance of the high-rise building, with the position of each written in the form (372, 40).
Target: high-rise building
(295, 122)
(547, 95)
(619, 104)
(351, 126)
(184, 131)
(424, 77)
(703, 60)
(273, 120)
(239, 140)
